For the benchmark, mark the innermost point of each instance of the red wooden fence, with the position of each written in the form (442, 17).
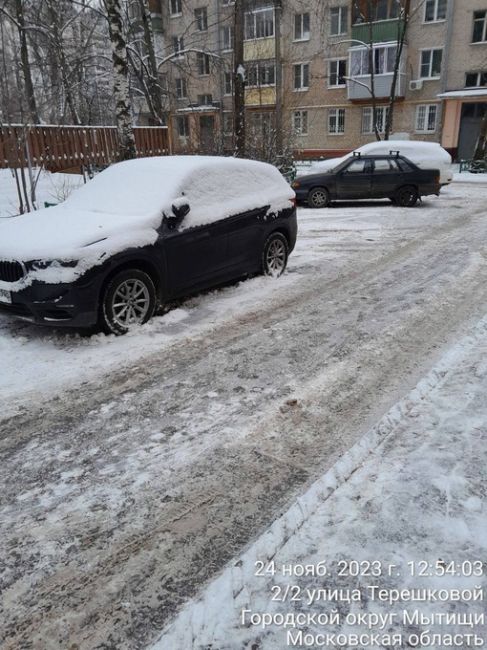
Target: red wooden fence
(60, 148)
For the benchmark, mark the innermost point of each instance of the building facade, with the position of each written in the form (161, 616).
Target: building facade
(321, 72)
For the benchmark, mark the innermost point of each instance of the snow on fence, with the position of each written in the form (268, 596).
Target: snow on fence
(59, 148)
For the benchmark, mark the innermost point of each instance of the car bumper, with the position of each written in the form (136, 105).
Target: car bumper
(58, 305)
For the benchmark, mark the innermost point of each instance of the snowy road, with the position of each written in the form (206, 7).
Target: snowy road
(134, 468)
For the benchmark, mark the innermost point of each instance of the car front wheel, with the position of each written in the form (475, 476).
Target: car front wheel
(274, 255)
(407, 196)
(318, 198)
(129, 299)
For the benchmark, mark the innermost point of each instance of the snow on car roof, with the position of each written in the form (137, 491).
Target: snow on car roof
(148, 186)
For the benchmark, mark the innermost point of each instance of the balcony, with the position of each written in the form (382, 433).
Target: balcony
(383, 31)
(359, 87)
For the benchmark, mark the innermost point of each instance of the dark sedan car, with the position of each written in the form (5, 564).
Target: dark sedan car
(144, 232)
(369, 177)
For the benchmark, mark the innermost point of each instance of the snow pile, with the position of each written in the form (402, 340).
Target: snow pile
(411, 491)
(124, 206)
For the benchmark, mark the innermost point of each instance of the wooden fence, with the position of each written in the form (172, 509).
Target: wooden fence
(63, 148)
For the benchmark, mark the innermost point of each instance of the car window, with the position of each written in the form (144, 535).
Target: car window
(403, 166)
(386, 165)
(357, 167)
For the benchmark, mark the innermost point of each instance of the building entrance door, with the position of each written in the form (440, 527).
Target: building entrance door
(207, 133)
(472, 115)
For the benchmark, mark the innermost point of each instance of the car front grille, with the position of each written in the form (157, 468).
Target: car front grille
(11, 271)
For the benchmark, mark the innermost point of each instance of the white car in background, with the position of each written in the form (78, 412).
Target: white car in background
(426, 155)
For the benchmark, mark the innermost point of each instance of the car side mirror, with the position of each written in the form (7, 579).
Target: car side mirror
(179, 211)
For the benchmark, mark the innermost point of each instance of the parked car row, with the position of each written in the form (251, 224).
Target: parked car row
(148, 231)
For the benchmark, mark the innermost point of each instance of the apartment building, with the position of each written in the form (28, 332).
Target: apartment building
(307, 69)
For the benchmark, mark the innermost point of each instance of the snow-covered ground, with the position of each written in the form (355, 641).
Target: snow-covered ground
(133, 469)
(404, 509)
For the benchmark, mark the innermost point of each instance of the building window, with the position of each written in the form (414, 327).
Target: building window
(479, 27)
(261, 73)
(228, 83)
(338, 20)
(300, 122)
(475, 79)
(202, 63)
(430, 64)
(336, 121)
(261, 125)
(337, 71)
(201, 18)
(368, 119)
(259, 23)
(177, 45)
(434, 10)
(301, 76)
(426, 115)
(183, 126)
(301, 27)
(176, 7)
(181, 89)
(205, 100)
(384, 58)
(226, 33)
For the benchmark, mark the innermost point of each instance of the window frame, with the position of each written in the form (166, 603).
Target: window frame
(178, 46)
(435, 12)
(183, 119)
(184, 88)
(301, 66)
(254, 13)
(431, 50)
(342, 17)
(301, 17)
(484, 29)
(337, 60)
(263, 64)
(335, 113)
(383, 109)
(298, 115)
(201, 18)
(226, 30)
(426, 118)
(478, 74)
(203, 57)
(227, 75)
(179, 4)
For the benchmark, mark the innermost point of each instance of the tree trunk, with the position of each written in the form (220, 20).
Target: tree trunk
(154, 86)
(25, 64)
(121, 88)
(402, 29)
(239, 80)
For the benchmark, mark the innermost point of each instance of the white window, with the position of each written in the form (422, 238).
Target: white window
(434, 10)
(430, 64)
(300, 122)
(261, 73)
(227, 37)
(337, 71)
(181, 89)
(177, 45)
(201, 18)
(301, 27)
(176, 7)
(426, 115)
(479, 26)
(183, 126)
(228, 83)
(205, 100)
(203, 63)
(301, 76)
(338, 20)
(336, 121)
(475, 79)
(259, 23)
(384, 58)
(368, 119)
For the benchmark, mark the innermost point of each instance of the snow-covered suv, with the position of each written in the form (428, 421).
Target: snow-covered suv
(144, 232)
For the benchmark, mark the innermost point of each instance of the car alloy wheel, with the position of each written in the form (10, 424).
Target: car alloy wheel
(318, 198)
(407, 197)
(129, 300)
(275, 255)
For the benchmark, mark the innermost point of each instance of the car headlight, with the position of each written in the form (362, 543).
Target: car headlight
(295, 185)
(41, 265)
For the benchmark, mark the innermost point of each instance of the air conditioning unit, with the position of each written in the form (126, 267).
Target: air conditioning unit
(416, 85)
